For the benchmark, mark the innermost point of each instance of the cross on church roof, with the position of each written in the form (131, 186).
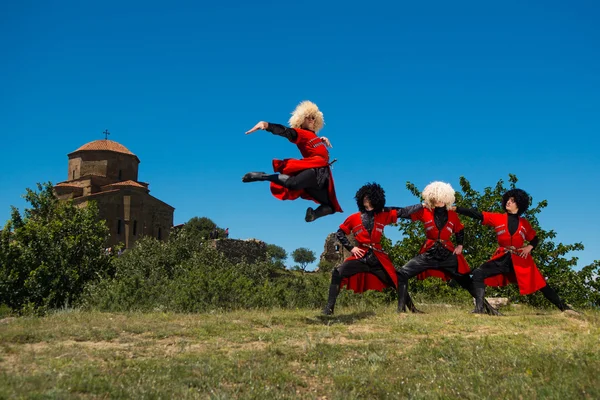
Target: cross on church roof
(106, 133)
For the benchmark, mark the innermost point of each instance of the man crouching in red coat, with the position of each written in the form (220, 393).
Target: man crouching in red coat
(310, 177)
(369, 268)
(438, 256)
(512, 260)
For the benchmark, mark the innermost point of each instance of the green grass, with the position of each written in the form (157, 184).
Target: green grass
(359, 353)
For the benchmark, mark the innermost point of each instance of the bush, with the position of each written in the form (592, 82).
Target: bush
(49, 254)
(175, 276)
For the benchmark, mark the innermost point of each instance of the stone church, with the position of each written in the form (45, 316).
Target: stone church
(106, 172)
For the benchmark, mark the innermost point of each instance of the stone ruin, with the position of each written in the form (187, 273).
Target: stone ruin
(333, 251)
(236, 250)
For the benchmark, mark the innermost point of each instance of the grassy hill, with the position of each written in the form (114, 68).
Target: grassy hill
(359, 353)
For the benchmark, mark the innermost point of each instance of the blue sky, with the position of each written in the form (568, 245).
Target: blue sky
(411, 91)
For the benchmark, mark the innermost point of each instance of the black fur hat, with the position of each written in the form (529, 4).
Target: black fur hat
(376, 195)
(521, 198)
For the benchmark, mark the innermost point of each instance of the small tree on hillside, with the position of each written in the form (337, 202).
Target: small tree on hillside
(202, 228)
(303, 256)
(277, 255)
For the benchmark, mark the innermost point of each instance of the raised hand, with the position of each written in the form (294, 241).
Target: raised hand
(326, 141)
(261, 125)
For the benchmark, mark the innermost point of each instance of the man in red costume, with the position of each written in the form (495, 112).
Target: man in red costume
(369, 268)
(438, 257)
(310, 177)
(512, 260)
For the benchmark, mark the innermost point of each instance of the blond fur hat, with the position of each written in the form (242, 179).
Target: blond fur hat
(306, 109)
(438, 191)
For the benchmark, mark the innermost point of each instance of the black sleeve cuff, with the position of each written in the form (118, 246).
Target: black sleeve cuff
(471, 213)
(534, 242)
(460, 237)
(341, 236)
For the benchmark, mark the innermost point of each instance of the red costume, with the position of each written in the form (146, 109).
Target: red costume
(434, 235)
(315, 155)
(364, 281)
(526, 274)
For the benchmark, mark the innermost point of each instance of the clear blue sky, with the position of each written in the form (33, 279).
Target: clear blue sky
(411, 91)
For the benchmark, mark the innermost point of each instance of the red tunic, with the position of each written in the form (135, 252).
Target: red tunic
(364, 281)
(433, 235)
(315, 155)
(526, 274)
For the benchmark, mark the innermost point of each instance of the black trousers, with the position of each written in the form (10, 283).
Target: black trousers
(434, 258)
(309, 182)
(504, 265)
(353, 267)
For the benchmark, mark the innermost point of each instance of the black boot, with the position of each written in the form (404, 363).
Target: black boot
(321, 211)
(333, 293)
(555, 299)
(402, 296)
(255, 177)
(279, 179)
(411, 305)
(490, 310)
(479, 299)
(466, 283)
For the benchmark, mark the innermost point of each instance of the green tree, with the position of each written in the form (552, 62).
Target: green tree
(480, 242)
(303, 256)
(201, 228)
(277, 255)
(50, 253)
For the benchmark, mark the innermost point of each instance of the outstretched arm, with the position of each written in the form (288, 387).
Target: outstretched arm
(262, 125)
(280, 130)
(405, 212)
(341, 236)
(469, 212)
(275, 129)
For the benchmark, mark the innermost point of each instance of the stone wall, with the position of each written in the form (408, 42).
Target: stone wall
(130, 214)
(114, 166)
(235, 250)
(252, 250)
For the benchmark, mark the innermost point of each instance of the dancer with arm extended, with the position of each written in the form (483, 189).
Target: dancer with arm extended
(369, 267)
(438, 257)
(309, 177)
(512, 261)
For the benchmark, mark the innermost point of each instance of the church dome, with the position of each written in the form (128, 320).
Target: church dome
(106, 145)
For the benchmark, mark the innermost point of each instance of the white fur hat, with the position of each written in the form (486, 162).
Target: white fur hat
(303, 110)
(439, 191)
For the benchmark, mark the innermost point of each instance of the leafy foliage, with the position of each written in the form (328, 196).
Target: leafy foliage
(50, 253)
(303, 256)
(184, 275)
(553, 260)
(202, 227)
(277, 255)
